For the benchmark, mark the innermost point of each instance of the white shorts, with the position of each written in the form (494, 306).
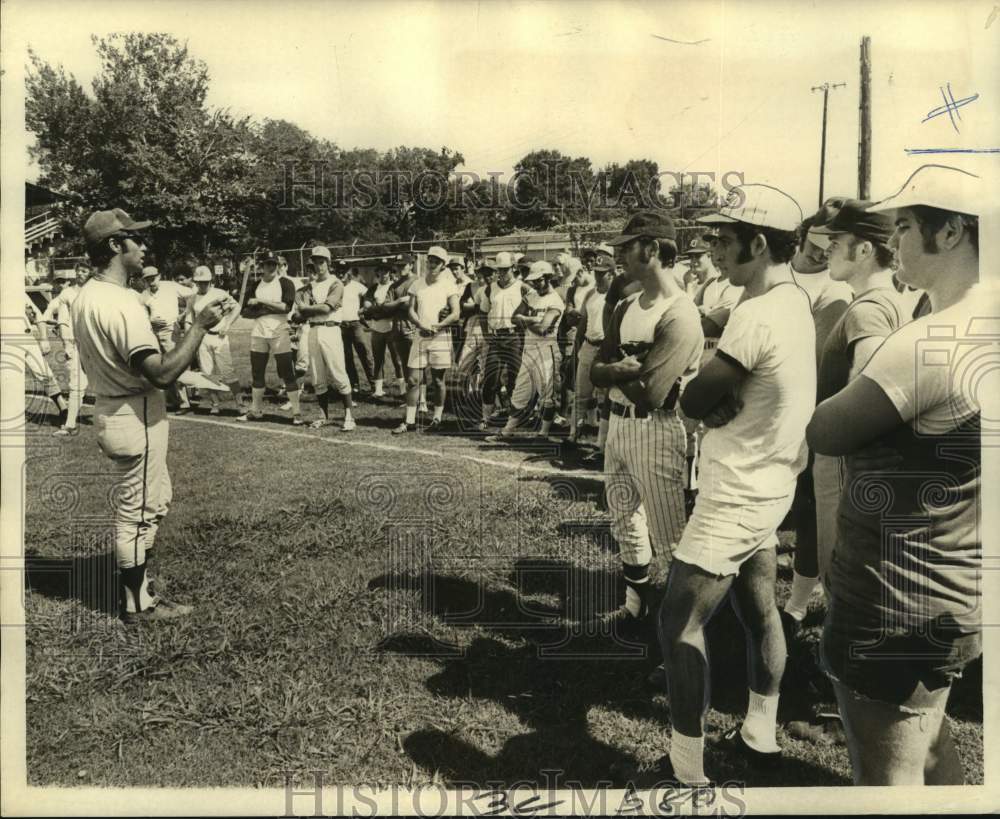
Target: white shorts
(433, 352)
(720, 537)
(282, 343)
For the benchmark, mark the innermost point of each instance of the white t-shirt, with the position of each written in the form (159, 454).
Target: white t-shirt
(940, 369)
(353, 291)
(381, 295)
(758, 455)
(502, 302)
(110, 325)
(823, 290)
(58, 310)
(433, 298)
(594, 307)
(580, 296)
(164, 304)
(719, 294)
(270, 325)
(541, 305)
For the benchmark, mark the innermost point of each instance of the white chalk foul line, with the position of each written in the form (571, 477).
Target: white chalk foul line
(254, 427)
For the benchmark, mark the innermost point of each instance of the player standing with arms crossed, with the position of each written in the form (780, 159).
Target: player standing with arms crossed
(319, 303)
(653, 340)
(433, 309)
(58, 313)
(214, 357)
(127, 372)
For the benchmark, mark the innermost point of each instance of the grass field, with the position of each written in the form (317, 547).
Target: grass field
(385, 609)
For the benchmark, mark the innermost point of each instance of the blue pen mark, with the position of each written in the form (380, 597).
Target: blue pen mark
(915, 151)
(950, 107)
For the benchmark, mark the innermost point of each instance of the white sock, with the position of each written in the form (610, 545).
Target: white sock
(75, 400)
(592, 418)
(411, 414)
(145, 598)
(759, 727)
(257, 399)
(802, 589)
(182, 396)
(633, 601)
(293, 396)
(546, 426)
(423, 393)
(438, 412)
(487, 411)
(378, 385)
(687, 755)
(347, 413)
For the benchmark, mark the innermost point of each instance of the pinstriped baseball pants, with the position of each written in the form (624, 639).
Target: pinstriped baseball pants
(644, 483)
(537, 374)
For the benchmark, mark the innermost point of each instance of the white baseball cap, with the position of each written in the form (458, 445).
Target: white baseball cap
(202, 274)
(149, 272)
(63, 275)
(758, 204)
(938, 186)
(503, 260)
(438, 253)
(457, 260)
(320, 252)
(539, 269)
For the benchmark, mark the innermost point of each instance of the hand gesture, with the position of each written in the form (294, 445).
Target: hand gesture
(630, 367)
(210, 315)
(158, 324)
(252, 302)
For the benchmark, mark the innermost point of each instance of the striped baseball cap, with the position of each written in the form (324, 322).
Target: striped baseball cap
(938, 186)
(758, 204)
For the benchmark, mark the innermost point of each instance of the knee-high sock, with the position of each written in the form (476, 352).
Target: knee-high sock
(293, 396)
(257, 399)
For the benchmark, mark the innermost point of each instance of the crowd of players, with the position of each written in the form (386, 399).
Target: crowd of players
(791, 359)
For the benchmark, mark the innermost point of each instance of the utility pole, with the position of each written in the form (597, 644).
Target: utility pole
(865, 120)
(825, 88)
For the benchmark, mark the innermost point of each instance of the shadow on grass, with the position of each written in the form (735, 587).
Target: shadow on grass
(90, 581)
(537, 665)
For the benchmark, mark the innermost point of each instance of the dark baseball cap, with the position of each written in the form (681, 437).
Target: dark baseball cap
(267, 257)
(650, 224)
(854, 218)
(106, 223)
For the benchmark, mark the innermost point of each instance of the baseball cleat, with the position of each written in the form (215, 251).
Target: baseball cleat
(349, 424)
(298, 421)
(659, 775)
(498, 438)
(250, 415)
(559, 421)
(162, 610)
(319, 423)
(434, 425)
(404, 427)
(64, 432)
(286, 407)
(215, 411)
(483, 426)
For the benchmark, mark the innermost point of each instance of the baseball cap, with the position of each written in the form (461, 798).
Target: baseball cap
(202, 274)
(761, 205)
(456, 261)
(105, 223)
(697, 247)
(504, 260)
(486, 266)
(602, 264)
(267, 258)
(149, 271)
(938, 186)
(651, 224)
(320, 252)
(60, 275)
(438, 253)
(538, 270)
(855, 218)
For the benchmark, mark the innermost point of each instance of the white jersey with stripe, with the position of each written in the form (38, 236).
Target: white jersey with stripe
(639, 326)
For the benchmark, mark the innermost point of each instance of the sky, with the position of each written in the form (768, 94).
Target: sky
(495, 80)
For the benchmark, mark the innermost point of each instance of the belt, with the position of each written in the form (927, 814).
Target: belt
(211, 332)
(630, 411)
(503, 331)
(594, 343)
(324, 323)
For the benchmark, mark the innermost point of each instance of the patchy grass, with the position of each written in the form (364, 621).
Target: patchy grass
(386, 609)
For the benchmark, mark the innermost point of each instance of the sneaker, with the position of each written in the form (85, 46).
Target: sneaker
(404, 427)
(658, 776)
(349, 424)
(733, 742)
(250, 415)
(215, 411)
(298, 421)
(64, 432)
(559, 421)
(160, 610)
(497, 438)
(378, 394)
(484, 426)
(186, 410)
(422, 407)
(319, 423)
(434, 425)
(595, 460)
(286, 407)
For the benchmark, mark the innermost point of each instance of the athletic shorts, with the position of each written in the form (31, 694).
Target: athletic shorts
(720, 537)
(279, 344)
(434, 352)
(905, 668)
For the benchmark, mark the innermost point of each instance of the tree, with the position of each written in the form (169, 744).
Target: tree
(145, 141)
(549, 187)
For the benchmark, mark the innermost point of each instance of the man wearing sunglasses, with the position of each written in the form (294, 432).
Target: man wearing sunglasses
(127, 371)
